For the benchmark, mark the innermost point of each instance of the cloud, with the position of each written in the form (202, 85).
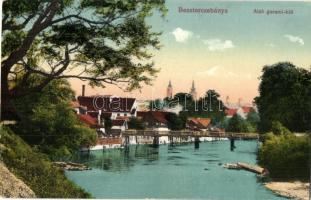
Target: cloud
(295, 39)
(218, 44)
(181, 35)
(210, 72)
(222, 72)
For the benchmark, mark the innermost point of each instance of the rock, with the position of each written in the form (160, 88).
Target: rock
(12, 187)
(72, 166)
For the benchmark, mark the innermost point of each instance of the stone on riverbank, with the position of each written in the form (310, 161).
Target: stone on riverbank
(71, 166)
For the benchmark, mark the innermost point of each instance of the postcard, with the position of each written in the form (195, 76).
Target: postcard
(166, 99)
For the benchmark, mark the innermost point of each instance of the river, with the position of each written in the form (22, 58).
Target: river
(172, 172)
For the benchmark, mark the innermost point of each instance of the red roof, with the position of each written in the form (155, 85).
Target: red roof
(231, 111)
(106, 104)
(89, 120)
(199, 123)
(156, 116)
(74, 104)
(247, 109)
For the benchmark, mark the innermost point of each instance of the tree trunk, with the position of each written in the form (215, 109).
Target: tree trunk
(7, 109)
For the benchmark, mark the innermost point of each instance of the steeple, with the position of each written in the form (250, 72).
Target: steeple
(169, 84)
(193, 91)
(192, 88)
(169, 90)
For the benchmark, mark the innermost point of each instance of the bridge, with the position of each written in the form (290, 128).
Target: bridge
(188, 133)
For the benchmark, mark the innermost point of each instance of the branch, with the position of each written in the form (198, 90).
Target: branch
(12, 27)
(38, 26)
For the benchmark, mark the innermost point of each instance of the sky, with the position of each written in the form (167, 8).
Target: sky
(224, 52)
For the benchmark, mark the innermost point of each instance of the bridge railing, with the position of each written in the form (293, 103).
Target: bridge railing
(187, 133)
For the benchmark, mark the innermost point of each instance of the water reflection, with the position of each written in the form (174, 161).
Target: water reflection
(122, 160)
(178, 171)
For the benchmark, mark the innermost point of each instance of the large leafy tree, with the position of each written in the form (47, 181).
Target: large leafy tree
(285, 96)
(97, 41)
(48, 122)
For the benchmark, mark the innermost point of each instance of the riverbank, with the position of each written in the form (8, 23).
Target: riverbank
(298, 190)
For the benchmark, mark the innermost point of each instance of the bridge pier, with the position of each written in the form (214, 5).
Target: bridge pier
(232, 145)
(171, 140)
(126, 141)
(196, 142)
(155, 141)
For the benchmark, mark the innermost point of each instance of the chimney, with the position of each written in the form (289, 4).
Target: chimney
(83, 90)
(99, 117)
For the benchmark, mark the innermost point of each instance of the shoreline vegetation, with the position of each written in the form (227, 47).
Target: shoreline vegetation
(35, 169)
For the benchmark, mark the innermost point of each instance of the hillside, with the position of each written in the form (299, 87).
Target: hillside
(34, 169)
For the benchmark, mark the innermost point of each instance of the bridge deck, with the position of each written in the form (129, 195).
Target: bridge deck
(153, 133)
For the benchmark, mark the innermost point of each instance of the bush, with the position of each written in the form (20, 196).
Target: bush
(135, 123)
(286, 156)
(278, 129)
(35, 169)
(238, 125)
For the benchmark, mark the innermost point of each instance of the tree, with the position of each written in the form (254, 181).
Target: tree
(285, 96)
(108, 124)
(278, 129)
(238, 125)
(286, 156)
(135, 123)
(253, 119)
(102, 42)
(211, 106)
(48, 121)
(176, 122)
(156, 104)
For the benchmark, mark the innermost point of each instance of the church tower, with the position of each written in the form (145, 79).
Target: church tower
(193, 91)
(169, 90)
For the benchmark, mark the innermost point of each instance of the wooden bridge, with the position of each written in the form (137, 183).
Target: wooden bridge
(195, 134)
(185, 134)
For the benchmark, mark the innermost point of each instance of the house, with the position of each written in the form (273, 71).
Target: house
(155, 120)
(230, 112)
(241, 111)
(198, 124)
(109, 106)
(119, 124)
(92, 122)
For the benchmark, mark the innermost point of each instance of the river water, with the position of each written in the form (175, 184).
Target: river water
(172, 172)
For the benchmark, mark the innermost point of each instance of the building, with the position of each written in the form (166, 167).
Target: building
(154, 120)
(241, 111)
(193, 91)
(111, 107)
(169, 90)
(198, 124)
